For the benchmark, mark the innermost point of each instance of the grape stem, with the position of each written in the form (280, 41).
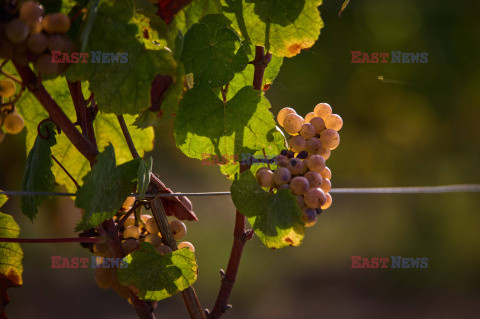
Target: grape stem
(127, 136)
(65, 171)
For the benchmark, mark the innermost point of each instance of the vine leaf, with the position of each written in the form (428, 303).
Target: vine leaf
(105, 188)
(155, 32)
(275, 218)
(207, 125)
(284, 27)
(144, 172)
(107, 130)
(128, 91)
(213, 52)
(11, 256)
(196, 10)
(38, 176)
(158, 276)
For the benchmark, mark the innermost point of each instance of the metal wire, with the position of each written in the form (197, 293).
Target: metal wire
(461, 188)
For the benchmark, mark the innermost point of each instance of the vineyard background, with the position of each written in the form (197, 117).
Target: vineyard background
(420, 130)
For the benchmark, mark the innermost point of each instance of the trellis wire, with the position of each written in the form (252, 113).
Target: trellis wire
(460, 188)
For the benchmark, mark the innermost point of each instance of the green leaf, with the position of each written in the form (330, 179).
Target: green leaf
(143, 179)
(284, 27)
(206, 125)
(11, 254)
(105, 189)
(38, 176)
(213, 52)
(158, 276)
(121, 88)
(196, 10)
(245, 77)
(275, 218)
(107, 130)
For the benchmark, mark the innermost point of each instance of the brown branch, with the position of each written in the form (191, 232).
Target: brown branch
(61, 120)
(240, 237)
(53, 240)
(260, 63)
(84, 119)
(127, 136)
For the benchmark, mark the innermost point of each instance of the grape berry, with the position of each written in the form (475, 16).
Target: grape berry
(302, 168)
(134, 231)
(31, 36)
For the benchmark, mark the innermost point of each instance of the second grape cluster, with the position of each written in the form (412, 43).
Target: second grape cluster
(302, 168)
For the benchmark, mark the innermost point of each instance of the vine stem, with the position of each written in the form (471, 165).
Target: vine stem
(53, 240)
(240, 235)
(84, 119)
(61, 120)
(260, 64)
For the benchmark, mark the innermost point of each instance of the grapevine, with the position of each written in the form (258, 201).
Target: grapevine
(86, 83)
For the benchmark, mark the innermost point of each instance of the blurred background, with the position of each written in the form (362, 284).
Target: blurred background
(420, 126)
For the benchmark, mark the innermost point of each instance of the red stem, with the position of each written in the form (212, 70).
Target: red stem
(240, 237)
(61, 120)
(53, 240)
(260, 63)
(84, 119)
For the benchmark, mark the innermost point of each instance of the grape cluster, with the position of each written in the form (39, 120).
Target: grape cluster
(302, 168)
(10, 121)
(28, 35)
(132, 233)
